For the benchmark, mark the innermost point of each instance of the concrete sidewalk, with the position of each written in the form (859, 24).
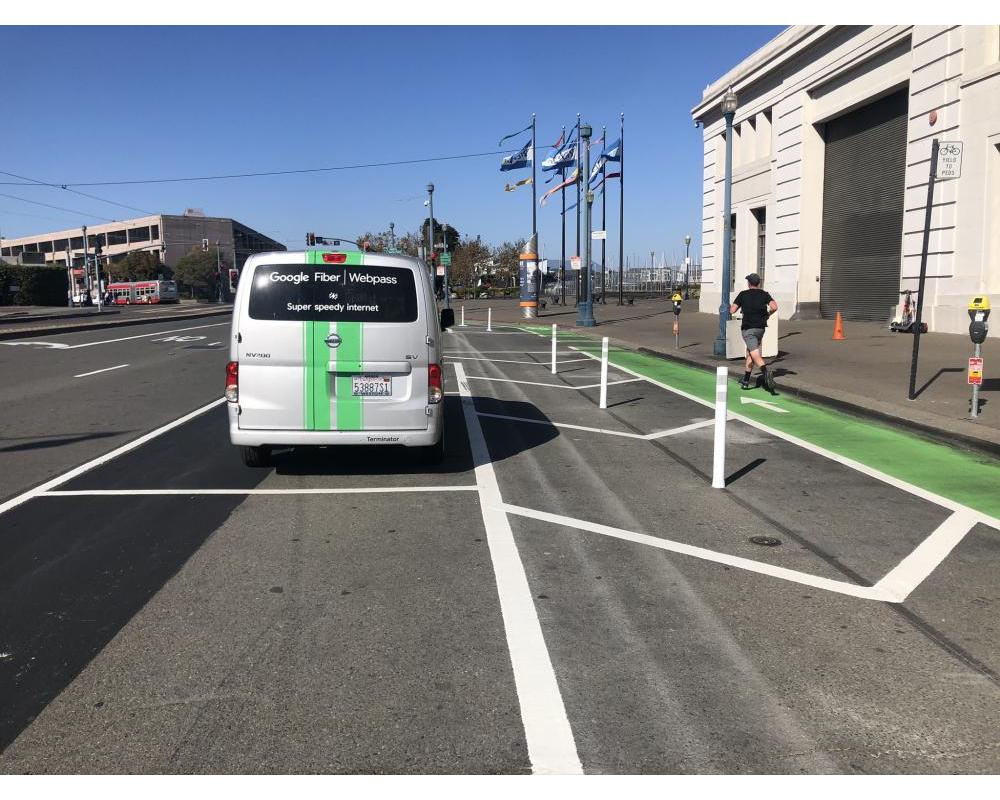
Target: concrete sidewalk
(868, 374)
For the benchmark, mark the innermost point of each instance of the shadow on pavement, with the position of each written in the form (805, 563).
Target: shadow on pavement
(58, 441)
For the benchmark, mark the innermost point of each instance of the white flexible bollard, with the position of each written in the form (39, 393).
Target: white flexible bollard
(553, 349)
(463, 318)
(604, 372)
(719, 460)
(489, 318)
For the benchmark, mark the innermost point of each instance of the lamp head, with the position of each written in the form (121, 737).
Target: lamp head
(729, 101)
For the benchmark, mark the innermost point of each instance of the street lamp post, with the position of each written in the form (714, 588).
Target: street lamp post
(728, 111)
(430, 228)
(585, 319)
(687, 264)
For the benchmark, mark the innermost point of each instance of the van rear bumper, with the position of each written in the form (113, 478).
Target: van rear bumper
(282, 438)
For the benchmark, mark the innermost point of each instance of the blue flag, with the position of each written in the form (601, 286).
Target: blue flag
(564, 157)
(518, 160)
(613, 153)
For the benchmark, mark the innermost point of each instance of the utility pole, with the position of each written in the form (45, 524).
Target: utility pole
(621, 213)
(430, 229)
(218, 273)
(687, 264)
(392, 235)
(86, 260)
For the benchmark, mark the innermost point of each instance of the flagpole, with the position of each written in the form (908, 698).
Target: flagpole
(579, 158)
(604, 219)
(534, 212)
(621, 212)
(562, 261)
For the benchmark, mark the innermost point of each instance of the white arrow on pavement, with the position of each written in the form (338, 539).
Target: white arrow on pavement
(764, 403)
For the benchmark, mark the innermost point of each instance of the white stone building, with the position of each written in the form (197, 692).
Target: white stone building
(831, 153)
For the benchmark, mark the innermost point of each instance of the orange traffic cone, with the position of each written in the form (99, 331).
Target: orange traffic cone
(838, 329)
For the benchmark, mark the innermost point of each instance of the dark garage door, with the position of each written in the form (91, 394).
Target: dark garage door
(863, 184)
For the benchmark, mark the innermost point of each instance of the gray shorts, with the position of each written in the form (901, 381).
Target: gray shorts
(753, 337)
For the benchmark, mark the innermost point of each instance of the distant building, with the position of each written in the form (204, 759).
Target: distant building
(831, 149)
(171, 236)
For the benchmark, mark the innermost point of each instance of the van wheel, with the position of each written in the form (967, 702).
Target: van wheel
(257, 456)
(434, 454)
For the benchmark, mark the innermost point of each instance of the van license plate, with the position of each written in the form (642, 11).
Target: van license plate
(371, 386)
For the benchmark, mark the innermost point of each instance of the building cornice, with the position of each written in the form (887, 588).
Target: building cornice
(772, 55)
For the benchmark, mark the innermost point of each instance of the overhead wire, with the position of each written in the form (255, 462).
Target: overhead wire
(190, 179)
(35, 181)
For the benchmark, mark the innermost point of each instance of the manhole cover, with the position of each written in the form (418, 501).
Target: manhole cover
(765, 541)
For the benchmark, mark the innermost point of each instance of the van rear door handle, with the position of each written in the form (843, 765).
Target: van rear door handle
(381, 367)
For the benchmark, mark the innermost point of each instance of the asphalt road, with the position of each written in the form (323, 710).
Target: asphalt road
(564, 593)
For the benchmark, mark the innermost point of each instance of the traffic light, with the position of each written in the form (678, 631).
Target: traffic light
(310, 240)
(234, 279)
(204, 245)
(97, 246)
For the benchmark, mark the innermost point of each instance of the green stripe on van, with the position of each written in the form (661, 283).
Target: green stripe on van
(349, 408)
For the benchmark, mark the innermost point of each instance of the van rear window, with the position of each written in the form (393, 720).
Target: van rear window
(331, 293)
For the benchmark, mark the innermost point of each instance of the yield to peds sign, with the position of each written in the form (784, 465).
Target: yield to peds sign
(976, 371)
(949, 163)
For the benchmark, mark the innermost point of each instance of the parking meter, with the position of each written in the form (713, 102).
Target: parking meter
(677, 302)
(979, 312)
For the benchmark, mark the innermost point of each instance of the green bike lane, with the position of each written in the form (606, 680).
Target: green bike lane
(963, 477)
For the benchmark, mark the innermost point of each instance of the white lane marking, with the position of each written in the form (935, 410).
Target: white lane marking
(841, 587)
(190, 492)
(96, 462)
(98, 371)
(519, 352)
(550, 385)
(562, 425)
(146, 335)
(213, 344)
(871, 472)
(643, 436)
(762, 404)
(705, 423)
(50, 345)
(489, 333)
(547, 731)
(509, 361)
(914, 569)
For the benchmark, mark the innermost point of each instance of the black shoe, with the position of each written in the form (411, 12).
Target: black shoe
(744, 383)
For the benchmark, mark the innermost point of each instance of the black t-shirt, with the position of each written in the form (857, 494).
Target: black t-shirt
(753, 303)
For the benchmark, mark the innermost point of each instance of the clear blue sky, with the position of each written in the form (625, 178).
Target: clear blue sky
(91, 104)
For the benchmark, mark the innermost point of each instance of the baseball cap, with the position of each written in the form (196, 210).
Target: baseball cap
(753, 279)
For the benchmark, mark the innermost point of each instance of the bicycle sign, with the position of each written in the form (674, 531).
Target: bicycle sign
(949, 163)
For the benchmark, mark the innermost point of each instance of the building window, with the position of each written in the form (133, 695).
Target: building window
(154, 231)
(139, 234)
(59, 245)
(116, 237)
(761, 216)
(76, 243)
(5, 251)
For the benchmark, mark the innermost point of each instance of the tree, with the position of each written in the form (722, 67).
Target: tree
(142, 265)
(441, 229)
(508, 261)
(198, 271)
(379, 242)
(468, 253)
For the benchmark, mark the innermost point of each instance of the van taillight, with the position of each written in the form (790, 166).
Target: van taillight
(435, 391)
(232, 381)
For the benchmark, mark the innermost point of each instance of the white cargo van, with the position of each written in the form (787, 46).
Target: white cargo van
(335, 347)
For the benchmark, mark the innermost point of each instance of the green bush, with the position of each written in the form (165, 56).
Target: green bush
(37, 286)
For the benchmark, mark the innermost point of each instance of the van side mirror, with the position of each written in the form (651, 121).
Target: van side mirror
(447, 318)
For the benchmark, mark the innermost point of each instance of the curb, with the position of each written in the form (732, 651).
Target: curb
(53, 329)
(938, 435)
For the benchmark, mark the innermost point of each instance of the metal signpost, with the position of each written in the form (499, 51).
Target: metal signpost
(946, 163)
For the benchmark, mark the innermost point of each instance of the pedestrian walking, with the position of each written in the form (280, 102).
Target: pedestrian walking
(757, 305)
